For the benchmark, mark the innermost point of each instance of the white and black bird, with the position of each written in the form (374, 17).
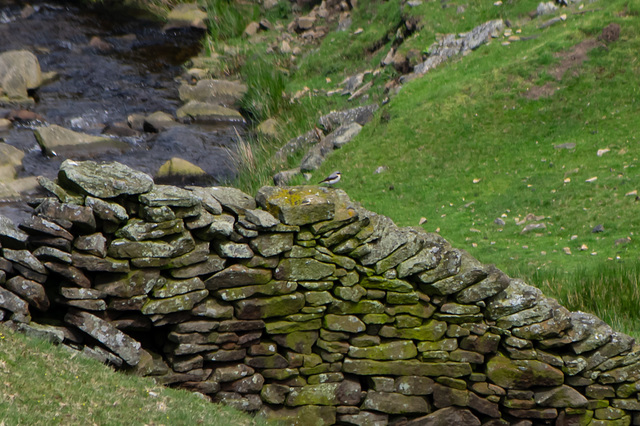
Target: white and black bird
(332, 179)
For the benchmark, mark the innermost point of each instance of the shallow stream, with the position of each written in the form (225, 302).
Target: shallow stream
(138, 72)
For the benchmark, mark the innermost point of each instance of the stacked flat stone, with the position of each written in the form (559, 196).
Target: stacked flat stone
(302, 306)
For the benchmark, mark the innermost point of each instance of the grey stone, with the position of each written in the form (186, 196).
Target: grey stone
(103, 180)
(395, 403)
(115, 340)
(30, 291)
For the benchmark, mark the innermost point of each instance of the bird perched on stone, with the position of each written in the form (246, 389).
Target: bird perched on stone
(332, 179)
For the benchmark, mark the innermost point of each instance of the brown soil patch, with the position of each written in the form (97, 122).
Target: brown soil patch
(569, 60)
(537, 92)
(573, 58)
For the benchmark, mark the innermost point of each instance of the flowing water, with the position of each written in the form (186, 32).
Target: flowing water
(138, 73)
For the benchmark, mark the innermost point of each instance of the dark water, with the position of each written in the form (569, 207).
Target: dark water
(139, 73)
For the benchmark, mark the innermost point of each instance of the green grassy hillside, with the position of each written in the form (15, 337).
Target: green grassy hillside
(50, 385)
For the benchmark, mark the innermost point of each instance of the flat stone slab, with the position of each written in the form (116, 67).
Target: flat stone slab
(207, 112)
(56, 140)
(107, 334)
(103, 180)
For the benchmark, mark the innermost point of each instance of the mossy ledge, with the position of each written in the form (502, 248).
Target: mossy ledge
(302, 306)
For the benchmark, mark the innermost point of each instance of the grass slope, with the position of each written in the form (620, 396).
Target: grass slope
(48, 385)
(464, 145)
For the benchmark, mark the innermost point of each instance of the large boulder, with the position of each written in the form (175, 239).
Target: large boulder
(19, 72)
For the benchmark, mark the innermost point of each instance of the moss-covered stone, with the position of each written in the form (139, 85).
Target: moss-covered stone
(277, 306)
(522, 374)
(401, 349)
(366, 367)
(347, 323)
(395, 403)
(300, 205)
(304, 269)
(272, 244)
(431, 331)
(175, 287)
(183, 302)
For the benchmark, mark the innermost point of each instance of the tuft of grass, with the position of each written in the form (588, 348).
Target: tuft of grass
(266, 86)
(228, 19)
(58, 386)
(604, 289)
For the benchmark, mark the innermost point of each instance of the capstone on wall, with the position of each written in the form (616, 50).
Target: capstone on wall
(300, 305)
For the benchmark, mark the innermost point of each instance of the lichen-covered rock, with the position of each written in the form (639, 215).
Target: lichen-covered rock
(238, 275)
(124, 346)
(278, 306)
(31, 291)
(78, 215)
(303, 269)
(103, 180)
(182, 302)
(297, 205)
(395, 403)
(343, 393)
(135, 283)
(400, 349)
(272, 244)
(307, 415)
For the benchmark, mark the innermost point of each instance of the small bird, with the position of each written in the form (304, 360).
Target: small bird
(332, 179)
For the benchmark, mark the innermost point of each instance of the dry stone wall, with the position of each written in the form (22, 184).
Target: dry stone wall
(300, 305)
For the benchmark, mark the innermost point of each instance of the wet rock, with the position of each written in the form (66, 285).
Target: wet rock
(211, 91)
(19, 71)
(103, 180)
(159, 121)
(204, 112)
(55, 140)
